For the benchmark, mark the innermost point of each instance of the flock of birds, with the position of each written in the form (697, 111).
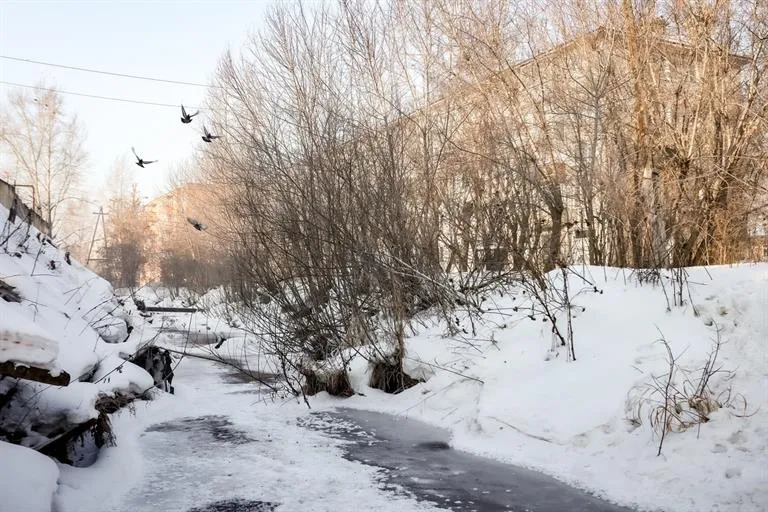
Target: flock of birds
(186, 118)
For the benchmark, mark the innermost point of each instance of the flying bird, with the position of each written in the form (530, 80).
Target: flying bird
(207, 137)
(141, 162)
(187, 118)
(197, 224)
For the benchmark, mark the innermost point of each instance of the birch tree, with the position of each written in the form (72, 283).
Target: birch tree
(46, 148)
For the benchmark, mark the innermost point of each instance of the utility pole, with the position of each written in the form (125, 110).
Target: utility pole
(99, 218)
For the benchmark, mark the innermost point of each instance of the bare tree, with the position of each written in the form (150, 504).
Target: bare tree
(370, 148)
(126, 248)
(46, 148)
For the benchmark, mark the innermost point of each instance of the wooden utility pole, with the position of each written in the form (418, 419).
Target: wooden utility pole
(99, 218)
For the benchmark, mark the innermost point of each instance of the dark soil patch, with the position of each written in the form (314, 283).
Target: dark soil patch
(435, 445)
(335, 384)
(391, 378)
(8, 293)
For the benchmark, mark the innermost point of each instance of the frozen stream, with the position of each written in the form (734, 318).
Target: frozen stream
(418, 458)
(220, 445)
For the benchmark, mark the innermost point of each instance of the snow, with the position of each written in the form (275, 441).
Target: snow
(213, 332)
(168, 458)
(26, 342)
(28, 480)
(500, 386)
(504, 395)
(67, 305)
(68, 319)
(117, 375)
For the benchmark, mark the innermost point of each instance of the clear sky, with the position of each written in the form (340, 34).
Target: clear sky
(164, 39)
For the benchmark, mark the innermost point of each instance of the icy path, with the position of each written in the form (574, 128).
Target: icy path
(417, 457)
(218, 446)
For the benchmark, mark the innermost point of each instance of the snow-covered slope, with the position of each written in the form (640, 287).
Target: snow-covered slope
(58, 316)
(213, 332)
(507, 395)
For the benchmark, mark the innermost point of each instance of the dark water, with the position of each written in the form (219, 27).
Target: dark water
(194, 464)
(236, 505)
(418, 458)
(205, 429)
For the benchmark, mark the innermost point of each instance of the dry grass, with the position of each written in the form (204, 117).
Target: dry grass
(682, 398)
(335, 383)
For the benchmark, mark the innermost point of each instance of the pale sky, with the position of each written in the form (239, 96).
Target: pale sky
(162, 39)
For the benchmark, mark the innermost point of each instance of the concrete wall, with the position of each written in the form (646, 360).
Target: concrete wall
(9, 198)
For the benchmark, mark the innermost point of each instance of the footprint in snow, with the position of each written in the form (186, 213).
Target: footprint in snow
(737, 437)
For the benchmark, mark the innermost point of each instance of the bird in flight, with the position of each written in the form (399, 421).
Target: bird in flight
(207, 137)
(187, 118)
(141, 162)
(197, 224)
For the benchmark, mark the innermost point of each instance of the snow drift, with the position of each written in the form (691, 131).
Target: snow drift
(57, 316)
(506, 389)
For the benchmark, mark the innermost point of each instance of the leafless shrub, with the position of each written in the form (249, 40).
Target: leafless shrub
(374, 151)
(683, 398)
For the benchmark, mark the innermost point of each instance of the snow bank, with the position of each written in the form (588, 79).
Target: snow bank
(67, 319)
(114, 374)
(506, 394)
(24, 342)
(214, 331)
(28, 480)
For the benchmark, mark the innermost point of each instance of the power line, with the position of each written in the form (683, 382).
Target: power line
(96, 96)
(110, 73)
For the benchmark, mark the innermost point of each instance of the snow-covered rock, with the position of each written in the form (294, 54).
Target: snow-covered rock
(28, 480)
(66, 318)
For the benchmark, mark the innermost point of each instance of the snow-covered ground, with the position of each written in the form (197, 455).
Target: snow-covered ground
(28, 480)
(500, 387)
(57, 317)
(214, 331)
(505, 395)
(219, 441)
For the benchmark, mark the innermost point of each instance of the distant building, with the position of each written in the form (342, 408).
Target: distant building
(542, 121)
(170, 232)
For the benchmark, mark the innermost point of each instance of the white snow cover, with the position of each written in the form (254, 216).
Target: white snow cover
(65, 305)
(24, 342)
(69, 320)
(178, 468)
(213, 332)
(505, 396)
(28, 480)
(116, 373)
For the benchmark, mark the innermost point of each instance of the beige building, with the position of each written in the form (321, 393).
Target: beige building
(173, 238)
(602, 150)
